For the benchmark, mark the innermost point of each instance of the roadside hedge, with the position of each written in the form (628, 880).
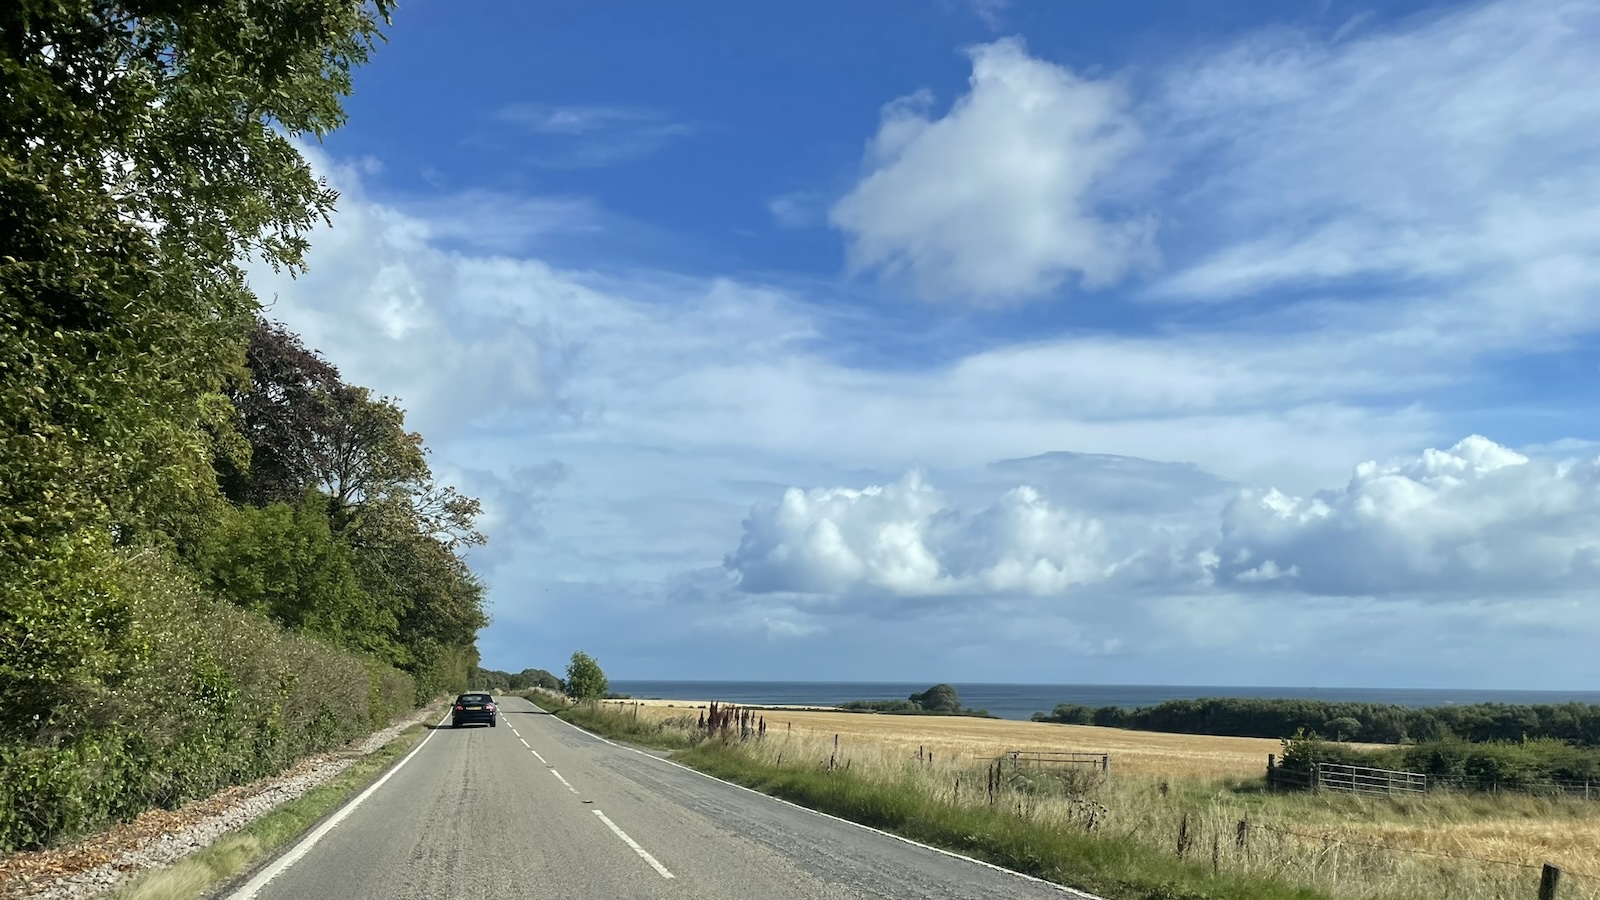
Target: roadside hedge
(210, 695)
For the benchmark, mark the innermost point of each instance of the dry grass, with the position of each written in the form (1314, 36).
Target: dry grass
(1351, 847)
(1185, 756)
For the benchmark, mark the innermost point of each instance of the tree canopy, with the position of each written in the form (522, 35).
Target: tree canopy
(147, 151)
(585, 680)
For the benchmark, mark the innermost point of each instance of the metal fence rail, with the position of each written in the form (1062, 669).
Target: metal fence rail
(1368, 780)
(1101, 761)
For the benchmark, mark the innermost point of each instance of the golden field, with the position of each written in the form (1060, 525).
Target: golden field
(1353, 847)
(978, 740)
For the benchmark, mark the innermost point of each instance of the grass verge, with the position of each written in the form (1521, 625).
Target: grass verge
(193, 876)
(620, 723)
(1112, 866)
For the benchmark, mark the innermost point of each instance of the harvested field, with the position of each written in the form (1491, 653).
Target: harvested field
(1132, 752)
(1468, 846)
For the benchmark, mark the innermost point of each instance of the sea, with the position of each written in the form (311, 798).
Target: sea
(1021, 701)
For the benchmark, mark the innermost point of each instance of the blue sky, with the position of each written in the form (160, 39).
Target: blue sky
(988, 341)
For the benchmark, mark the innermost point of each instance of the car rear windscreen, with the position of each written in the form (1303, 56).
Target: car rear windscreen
(475, 698)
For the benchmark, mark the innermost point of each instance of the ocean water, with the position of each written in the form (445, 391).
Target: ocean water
(1020, 701)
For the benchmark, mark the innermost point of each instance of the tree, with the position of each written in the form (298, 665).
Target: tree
(1342, 728)
(941, 698)
(585, 680)
(535, 678)
(280, 410)
(145, 150)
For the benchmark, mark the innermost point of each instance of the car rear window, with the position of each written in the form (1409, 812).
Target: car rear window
(474, 698)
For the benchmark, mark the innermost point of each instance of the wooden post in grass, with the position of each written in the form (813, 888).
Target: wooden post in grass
(1549, 882)
(1183, 835)
(1242, 838)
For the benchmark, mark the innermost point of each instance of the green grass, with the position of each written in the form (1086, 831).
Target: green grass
(619, 723)
(1112, 866)
(191, 877)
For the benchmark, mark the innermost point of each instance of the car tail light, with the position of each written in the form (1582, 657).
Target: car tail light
(459, 706)
(489, 707)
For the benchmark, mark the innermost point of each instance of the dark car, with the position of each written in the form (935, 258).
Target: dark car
(473, 708)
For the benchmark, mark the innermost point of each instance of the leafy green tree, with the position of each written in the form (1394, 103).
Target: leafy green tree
(535, 678)
(941, 698)
(585, 680)
(285, 563)
(145, 149)
(1342, 728)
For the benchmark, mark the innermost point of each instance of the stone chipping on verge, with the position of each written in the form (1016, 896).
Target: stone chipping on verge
(104, 862)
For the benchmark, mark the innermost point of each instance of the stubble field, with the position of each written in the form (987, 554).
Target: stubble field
(1469, 846)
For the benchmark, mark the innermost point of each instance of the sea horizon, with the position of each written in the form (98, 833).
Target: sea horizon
(1021, 700)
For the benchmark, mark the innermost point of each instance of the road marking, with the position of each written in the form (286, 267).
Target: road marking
(536, 753)
(254, 885)
(563, 781)
(524, 741)
(643, 853)
(1069, 891)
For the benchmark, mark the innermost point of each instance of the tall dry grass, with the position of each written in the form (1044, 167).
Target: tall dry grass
(1163, 786)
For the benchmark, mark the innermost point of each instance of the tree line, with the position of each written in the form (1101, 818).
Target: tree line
(197, 512)
(1378, 723)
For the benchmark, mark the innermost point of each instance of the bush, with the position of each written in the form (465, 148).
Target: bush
(269, 697)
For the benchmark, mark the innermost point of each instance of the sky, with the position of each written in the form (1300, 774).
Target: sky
(1246, 343)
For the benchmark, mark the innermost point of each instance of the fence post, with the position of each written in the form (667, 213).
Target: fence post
(1183, 835)
(1316, 778)
(1549, 882)
(1243, 836)
(1105, 764)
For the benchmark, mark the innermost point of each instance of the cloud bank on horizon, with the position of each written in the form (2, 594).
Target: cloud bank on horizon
(1263, 362)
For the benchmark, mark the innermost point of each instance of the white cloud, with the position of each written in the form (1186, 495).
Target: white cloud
(905, 539)
(1002, 199)
(798, 209)
(990, 11)
(575, 137)
(1477, 520)
(1441, 174)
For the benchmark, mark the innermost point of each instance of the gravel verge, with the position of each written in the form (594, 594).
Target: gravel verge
(104, 862)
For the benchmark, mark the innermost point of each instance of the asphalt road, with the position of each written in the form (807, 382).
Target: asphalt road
(537, 808)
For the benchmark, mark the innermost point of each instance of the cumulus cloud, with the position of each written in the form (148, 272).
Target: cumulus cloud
(1002, 198)
(1476, 520)
(905, 539)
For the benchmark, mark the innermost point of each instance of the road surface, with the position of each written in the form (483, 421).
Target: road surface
(537, 808)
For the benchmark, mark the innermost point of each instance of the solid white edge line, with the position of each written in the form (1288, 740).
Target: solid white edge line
(563, 781)
(1069, 891)
(643, 853)
(253, 887)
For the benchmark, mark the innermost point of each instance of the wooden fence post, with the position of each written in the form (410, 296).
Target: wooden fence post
(1242, 838)
(1549, 882)
(1183, 835)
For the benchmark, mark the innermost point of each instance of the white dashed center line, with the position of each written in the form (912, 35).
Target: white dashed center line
(536, 754)
(643, 854)
(563, 781)
(524, 741)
